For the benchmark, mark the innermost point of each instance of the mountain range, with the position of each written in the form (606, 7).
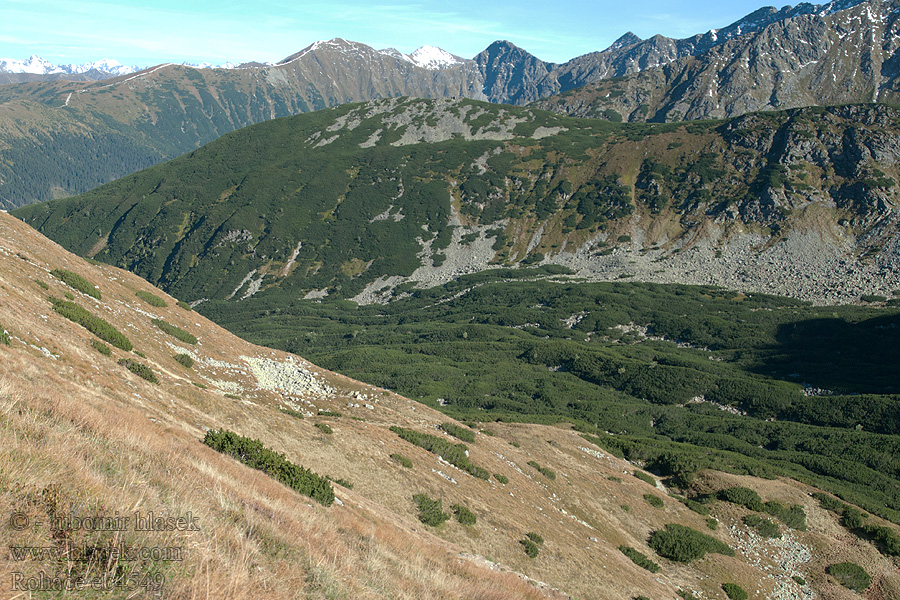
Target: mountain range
(801, 56)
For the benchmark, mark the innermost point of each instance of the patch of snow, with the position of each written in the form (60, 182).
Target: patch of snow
(429, 57)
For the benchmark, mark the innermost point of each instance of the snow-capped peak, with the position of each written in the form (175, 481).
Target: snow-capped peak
(209, 65)
(429, 57)
(394, 53)
(105, 65)
(34, 65)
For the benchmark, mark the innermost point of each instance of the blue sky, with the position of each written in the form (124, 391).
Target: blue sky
(144, 32)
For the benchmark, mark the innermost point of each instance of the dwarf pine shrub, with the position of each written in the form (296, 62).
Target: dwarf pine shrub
(76, 281)
(291, 412)
(456, 431)
(548, 473)
(139, 369)
(463, 514)
(639, 559)
(645, 477)
(252, 453)
(850, 575)
(175, 332)
(734, 591)
(430, 511)
(151, 299)
(455, 454)
(402, 460)
(531, 549)
(683, 544)
(185, 360)
(94, 324)
(101, 347)
(654, 500)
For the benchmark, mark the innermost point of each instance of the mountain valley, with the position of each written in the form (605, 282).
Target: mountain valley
(369, 324)
(85, 435)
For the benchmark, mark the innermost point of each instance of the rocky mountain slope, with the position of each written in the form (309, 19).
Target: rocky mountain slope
(812, 58)
(83, 436)
(799, 203)
(54, 132)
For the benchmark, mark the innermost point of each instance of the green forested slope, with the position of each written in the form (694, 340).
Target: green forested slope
(498, 346)
(339, 198)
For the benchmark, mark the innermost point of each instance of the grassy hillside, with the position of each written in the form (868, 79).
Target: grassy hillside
(278, 479)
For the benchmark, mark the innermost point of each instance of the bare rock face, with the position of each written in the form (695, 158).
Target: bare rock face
(835, 54)
(512, 75)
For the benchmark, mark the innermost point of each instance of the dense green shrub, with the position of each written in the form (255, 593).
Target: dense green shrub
(402, 460)
(501, 478)
(252, 453)
(69, 295)
(101, 347)
(734, 591)
(139, 369)
(463, 514)
(458, 432)
(341, 482)
(184, 360)
(151, 299)
(742, 496)
(645, 477)
(95, 325)
(546, 472)
(42, 284)
(76, 281)
(639, 559)
(683, 544)
(290, 412)
(184, 305)
(697, 507)
(794, 517)
(885, 539)
(828, 502)
(455, 454)
(416, 346)
(4, 336)
(324, 428)
(175, 332)
(531, 549)
(535, 537)
(764, 527)
(850, 575)
(329, 413)
(654, 500)
(430, 511)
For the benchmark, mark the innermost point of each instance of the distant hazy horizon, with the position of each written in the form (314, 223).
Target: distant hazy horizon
(144, 33)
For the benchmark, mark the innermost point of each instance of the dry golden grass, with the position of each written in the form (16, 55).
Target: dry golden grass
(100, 440)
